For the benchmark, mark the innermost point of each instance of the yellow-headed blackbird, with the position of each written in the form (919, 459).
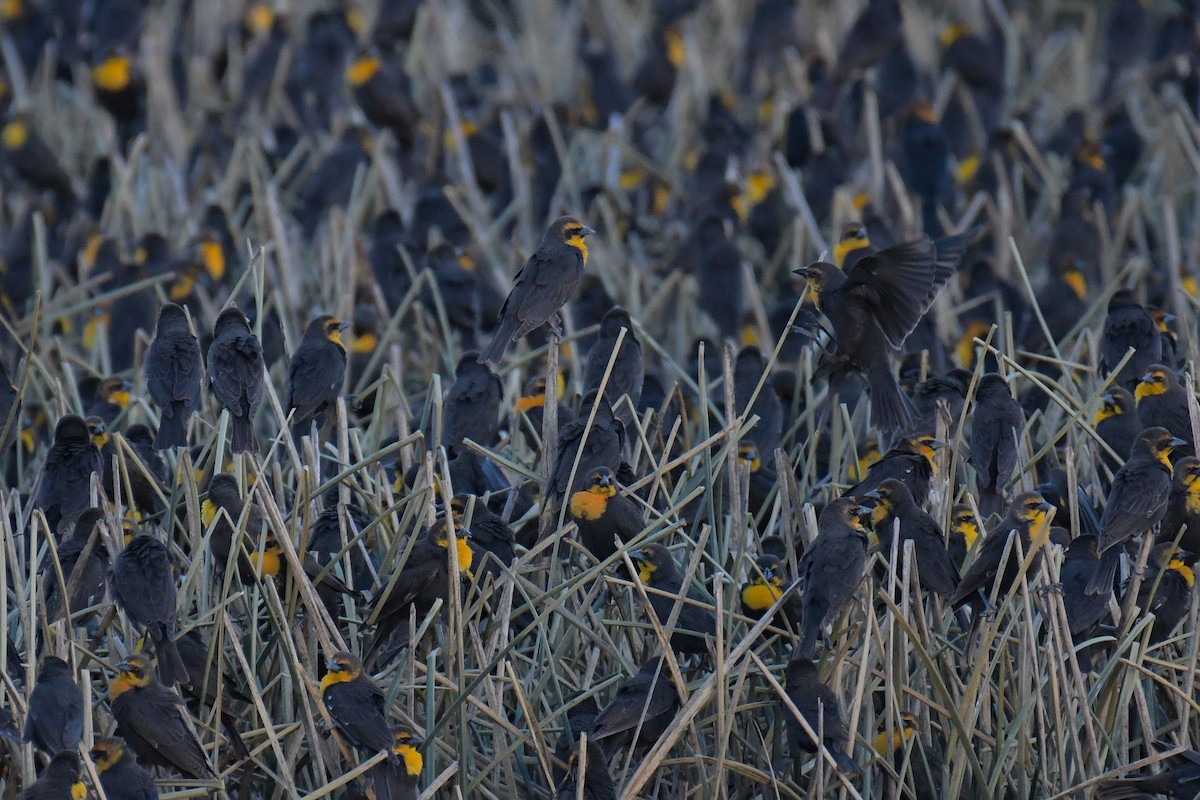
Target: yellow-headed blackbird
(602, 515)
(139, 491)
(543, 285)
(121, 776)
(356, 705)
(597, 784)
(398, 780)
(851, 246)
(1137, 501)
(120, 90)
(235, 375)
(173, 376)
(766, 583)
(316, 374)
(602, 445)
(657, 570)
(28, 155)
(153, 721)
(422, 581)
(488, 535)
(1084, 611)
(628, 371)
(332, 182)
(929, 395)
(381, 89)
(62, 780)
(143, 585)
(1128, 325)
(1162, 403)
(1026, 519)
(995, 427)
(868, 453)
(1064, 300)
(831, 569)
(819, 707)
(656, 74)
(1117, 423)
(1179, 780)
(875, 306)
(935, 568)
(644, 705)
(1169, 601)
(964, 532)
(924, 761)
(65, 484)
(83, 559)
(910, 462)
(203, 686)
(1183, 506)
(54, 721)
(471, 408)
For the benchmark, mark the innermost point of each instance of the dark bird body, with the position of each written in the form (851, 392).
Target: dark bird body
(153, 721)
(1117, 423)
(1183, 505)
(1162, 403)
(173, 376)
(471, 407)
(1026, 519)
(315, 374)
(543, 285)
(1179, 781)
(995, 428)
(657, 570)
(54, 721)
(601, 448)
(646, 703)
(1136, 503)
(602, 515)
(60, 781)
(65, 484)
(910, 462)
(83, 559)
(895, 503)
(235, 376)
(874, 307)
(1084, 611)
(143, 585)
(830, 570)
(1128, 325)
(819, 707)
(628, 370)
(121, 776)
(356, 704)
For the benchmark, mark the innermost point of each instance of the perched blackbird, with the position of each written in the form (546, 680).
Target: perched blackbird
(1027, 520)
(54, 721)
(1183, 505)
(1084, 611)
(1128, 325)
(831, 569)
(910, 462)
(597, 783)
(819, 707)
(602, 515)
(601, 444)
(121, 776)
(924, 762)
(1180, 780)
(143, 585)
(543, 285)
(964, 532)
(61, 780)
(628, 370)
(397, 778)
(173, 376)
(995, 428)
(356, 705)
(315, 374)
(1118, 425)
(1162, 403)
(471, 408)
(1170, 601)
(659, 573)
(935, 568)
(765, 584)
(64, 489)
(235, 375)
(1136, 503)
(644, 704)
(83, 559)
(154, 722)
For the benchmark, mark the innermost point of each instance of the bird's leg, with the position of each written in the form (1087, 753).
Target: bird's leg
(555, 323)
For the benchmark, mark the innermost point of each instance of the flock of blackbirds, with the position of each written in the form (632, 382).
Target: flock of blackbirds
(662, 407)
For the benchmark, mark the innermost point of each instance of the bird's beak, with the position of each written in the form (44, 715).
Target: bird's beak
(638, 555)
(1177, 442)
(937, 444)
(1168, 318)
(1107, 400)
(873, 494)
(415, 742)
(1148, 377)
(863, 511)
(605, 481)
(1046, 506)
(345, 326)
(1184, 555)
(124, 666)
(586, 231)
(333, 666)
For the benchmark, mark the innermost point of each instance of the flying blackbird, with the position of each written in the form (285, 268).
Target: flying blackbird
(173, 376)
(875, 306)
(1136, 503)
(235, 375)
(543, 285)
(1027, 519)
(831, 569)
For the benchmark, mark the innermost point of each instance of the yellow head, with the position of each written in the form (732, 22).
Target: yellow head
(854, 237)
(573, 233)
(343, 667)
(407, 745)
(135, 672)
(15, 134)
(361, 70)
(113, 74)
